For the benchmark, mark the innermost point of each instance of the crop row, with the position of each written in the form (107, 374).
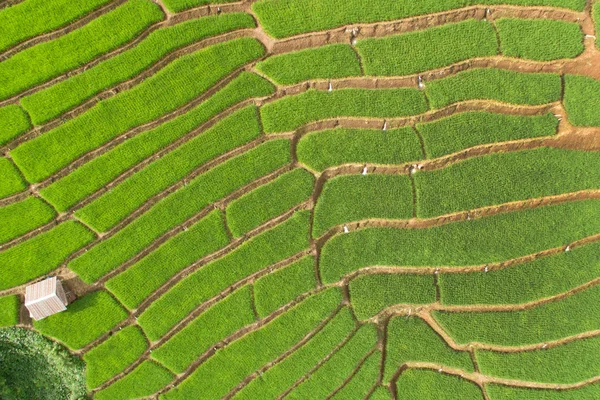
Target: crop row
(146, 379)
(9, 310)
(13, 123)
(23, 216)
(430, 385)
(514, 393)
(582, 100)
(12, 180)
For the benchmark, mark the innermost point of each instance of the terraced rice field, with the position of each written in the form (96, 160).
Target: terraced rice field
(307, 199)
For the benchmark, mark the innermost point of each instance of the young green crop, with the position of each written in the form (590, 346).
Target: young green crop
(362, 381)
(173, 86)
(114, 355)
(14, 121)
(12, 180)
(582, 100)
(489, 239)
(23, 216)
(42, 253)
(324, 149)
(282, 375)
(215, 324)
(421, 50)
(596, 17)
(282, 286)
(268, 201)
(64, 193)
(413, 340)
(109, 209)
(504, 177)
(65, 95)
(30, 18)
(85, 320)
(496, 392)
(539, 39)
(9, 310)
(373, 293)
(530, 281)
(231, 364)
(292, 112)
(181, 5)
(494, 84)
(381, 393)
(554, 320)
(180, 206)
(426, 384)
(276, 244)
(47, 60)
(327, 62)
(464, 130)
(349, 198)
(144, 380)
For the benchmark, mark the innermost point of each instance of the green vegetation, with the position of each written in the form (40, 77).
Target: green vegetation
(291, 112)
(114, 355)
(30, 18)
(361, 383)
(281, 18)
(85, 320)
(328, 148)
(464, 130)
(85, 180)
(544, 277)
(57, 99)
(284, 285)
(14, 121)
(348, 198)
(230, 365)
(550, 321)
(494, 84)
(282, 375)
(412, 339)
(539, 39)
(332, 373)
(173, 86)
(381, 393)
(181, 5)
(596, 17)
(23, 216)
(45, 61)
(327, 62)
(513, 393)
(213, 325)
(470, 242)
(144, 380)
(504, 177)
(421, 49)
(268, 201)
(42, 253)
(279, 243)
(140, 280)
(9, 310)
(582, 100)
(568, 363)
(372, 293)
(12, 181)
(33, 367)
(432, 385)
(180, 206)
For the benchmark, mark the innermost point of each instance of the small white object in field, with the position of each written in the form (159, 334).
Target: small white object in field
(385, 125)
(568, 248)
(330, 88)
(346, 230)
(590, 36)
(437, 271)
(486, 269)
(440, 370)
(421, 86)
(419, 166)
(545, 346)
(353, 41)
(468, 215)
(364, 171)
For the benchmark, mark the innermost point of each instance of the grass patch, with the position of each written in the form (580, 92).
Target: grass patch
(292, 112)
(180, 206)
(513, 393)
(324, 149)
(47, 60)
(12, 181)
(471, 242)
(504, 177)
(140, 280)
(327, 62)
(23, 216)
(276, 244)
(282, 286)
(582, 100)
(361, 383)
(215, 324)
(432, 385)
(468, 129)
(84, 321)
(373, 293)
(114, 355)
(65, 95)
(494, 84)
(173, 86)
(412, 339)
(146, 379)
(14, 121)
(42, 253)
(381, 393)
(348, 198)
(9, 310)
(181, 5)
(231, 364)
(419, 51)
(269, 201)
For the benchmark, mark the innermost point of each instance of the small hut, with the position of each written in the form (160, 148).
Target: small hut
(45, 298)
